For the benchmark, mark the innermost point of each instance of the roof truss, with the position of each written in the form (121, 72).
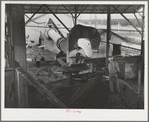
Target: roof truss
(82, 8)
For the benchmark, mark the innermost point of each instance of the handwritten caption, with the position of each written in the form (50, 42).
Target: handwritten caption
(72, 111)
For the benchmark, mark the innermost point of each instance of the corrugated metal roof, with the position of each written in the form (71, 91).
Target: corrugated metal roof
(82, 8)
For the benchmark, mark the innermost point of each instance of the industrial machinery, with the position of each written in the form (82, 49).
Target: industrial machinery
(79, 45)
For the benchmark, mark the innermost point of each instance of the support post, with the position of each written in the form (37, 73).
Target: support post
(9, 38)
(108, 35)
(18, 37)
(12, 57)
(142, 55)
(142, 36)
(57, 18)
(75, 17)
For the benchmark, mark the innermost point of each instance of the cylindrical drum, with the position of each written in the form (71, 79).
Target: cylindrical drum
(54, 35)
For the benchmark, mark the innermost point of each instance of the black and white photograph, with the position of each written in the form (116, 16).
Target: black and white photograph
(74, 60)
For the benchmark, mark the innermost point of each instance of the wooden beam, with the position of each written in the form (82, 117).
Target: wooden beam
(9, 42)
(42, 89)
(9, 89)
(19, 47)
(108, 35)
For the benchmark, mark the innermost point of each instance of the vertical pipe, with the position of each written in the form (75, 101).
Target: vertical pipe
(108, 35)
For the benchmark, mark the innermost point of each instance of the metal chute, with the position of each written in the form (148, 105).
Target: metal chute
(80, 31)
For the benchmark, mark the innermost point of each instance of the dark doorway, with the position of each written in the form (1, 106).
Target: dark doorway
(116, 49)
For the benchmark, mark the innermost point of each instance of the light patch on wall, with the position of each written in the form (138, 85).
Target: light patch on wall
(130, 71)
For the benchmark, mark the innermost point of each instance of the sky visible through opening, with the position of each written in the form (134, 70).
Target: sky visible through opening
(104, 16)
(113, 16)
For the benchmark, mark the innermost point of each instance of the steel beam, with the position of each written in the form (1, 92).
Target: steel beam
(108, 35)
(33, 14)
(82, 10)
(38, 17)
(35, 22)
(56, 28)
(138, 20)
(117, 8)
(135, 11)
(126, 19)
(75, 17)
(93, 9)
(68, 10)
(140, 15)
(126, 8)
(57, 18)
